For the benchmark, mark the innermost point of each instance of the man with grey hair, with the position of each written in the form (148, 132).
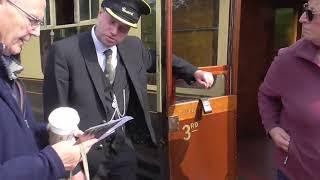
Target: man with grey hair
(24, 152)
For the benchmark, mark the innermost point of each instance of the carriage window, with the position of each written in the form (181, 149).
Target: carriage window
(88, 9)
(95, 5)
(65, 18)
(47, 19)
(63, 13)
(84, 10)
(200, 35)
(195, 31)
(148, 34)
(285, 27)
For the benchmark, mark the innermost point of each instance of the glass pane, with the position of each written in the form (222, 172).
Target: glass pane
(94, 8)
(148, 34)
(84, 10)
(148, 28)
(195, 27)
(197, 47)
(64, 12)
(195, 39)
(284, 28)
(48, 20)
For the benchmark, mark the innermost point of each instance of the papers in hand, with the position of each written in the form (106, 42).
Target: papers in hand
(104, 130)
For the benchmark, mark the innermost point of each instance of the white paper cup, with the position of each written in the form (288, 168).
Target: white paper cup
(63, 122)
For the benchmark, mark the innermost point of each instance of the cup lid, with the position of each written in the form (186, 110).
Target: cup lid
(63, 120)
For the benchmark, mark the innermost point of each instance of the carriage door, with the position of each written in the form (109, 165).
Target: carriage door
(202, 127)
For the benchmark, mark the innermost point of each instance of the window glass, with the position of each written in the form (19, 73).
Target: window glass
(48, 20)
(64, 12)
(94, 8)
(84, 10)
(195, 31)
(148, 34)
(284, 28)
(195, 39)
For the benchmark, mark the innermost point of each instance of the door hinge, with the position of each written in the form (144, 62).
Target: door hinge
(173, 123)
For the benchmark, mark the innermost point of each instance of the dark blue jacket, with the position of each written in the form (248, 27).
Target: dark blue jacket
(23, 154)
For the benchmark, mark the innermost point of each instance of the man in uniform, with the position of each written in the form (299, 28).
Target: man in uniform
(103, 74)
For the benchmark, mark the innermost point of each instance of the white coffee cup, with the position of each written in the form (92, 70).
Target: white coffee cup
(63, 122)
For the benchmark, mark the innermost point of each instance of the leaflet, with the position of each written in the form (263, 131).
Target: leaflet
(104, 130)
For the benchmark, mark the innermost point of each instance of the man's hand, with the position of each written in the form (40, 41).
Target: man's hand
(70, 153)
(280, 137)
(204, 78)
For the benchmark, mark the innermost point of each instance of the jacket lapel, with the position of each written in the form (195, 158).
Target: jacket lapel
(131, 67)
(118, 82)
(88, 51)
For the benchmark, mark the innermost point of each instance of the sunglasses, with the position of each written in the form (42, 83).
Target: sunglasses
(309, 12)
(34, 21)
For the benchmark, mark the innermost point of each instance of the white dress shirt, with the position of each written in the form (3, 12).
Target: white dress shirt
(100, 48)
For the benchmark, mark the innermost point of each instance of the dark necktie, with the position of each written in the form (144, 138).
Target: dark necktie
(109, 71)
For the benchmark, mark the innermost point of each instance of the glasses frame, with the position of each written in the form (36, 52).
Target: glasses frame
(34, 21)
(309, 12)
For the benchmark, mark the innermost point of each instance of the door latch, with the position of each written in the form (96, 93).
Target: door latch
(206, 106)
(173, 123)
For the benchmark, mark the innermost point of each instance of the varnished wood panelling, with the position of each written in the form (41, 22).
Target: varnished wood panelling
(203, 147)
(189, 110)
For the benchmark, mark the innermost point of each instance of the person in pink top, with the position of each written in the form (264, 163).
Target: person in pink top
(289, 102)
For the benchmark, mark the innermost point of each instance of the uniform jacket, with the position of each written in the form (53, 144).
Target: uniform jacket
(23, 154)
(73, 78)
(289, 98)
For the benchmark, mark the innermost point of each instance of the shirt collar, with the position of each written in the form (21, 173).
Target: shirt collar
(100, 47)
(305, 49)
(12, 66)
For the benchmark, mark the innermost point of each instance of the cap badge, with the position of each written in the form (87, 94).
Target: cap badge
(124, 9)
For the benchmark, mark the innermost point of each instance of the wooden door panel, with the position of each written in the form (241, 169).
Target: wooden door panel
(203, 147)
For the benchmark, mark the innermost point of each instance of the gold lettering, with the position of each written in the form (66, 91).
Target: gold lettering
(189, 129)
(126, 11)
(186, 128)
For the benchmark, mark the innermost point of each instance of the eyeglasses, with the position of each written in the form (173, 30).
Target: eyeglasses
(309, 12)
(34, 21)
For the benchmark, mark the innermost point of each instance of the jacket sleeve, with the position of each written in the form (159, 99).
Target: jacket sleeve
(269, 96)
(181, 68)
(56, 81)
(39, 129)
(45, 165)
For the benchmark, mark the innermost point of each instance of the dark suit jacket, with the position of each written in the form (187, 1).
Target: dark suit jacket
(73, 78)
(21, 143)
